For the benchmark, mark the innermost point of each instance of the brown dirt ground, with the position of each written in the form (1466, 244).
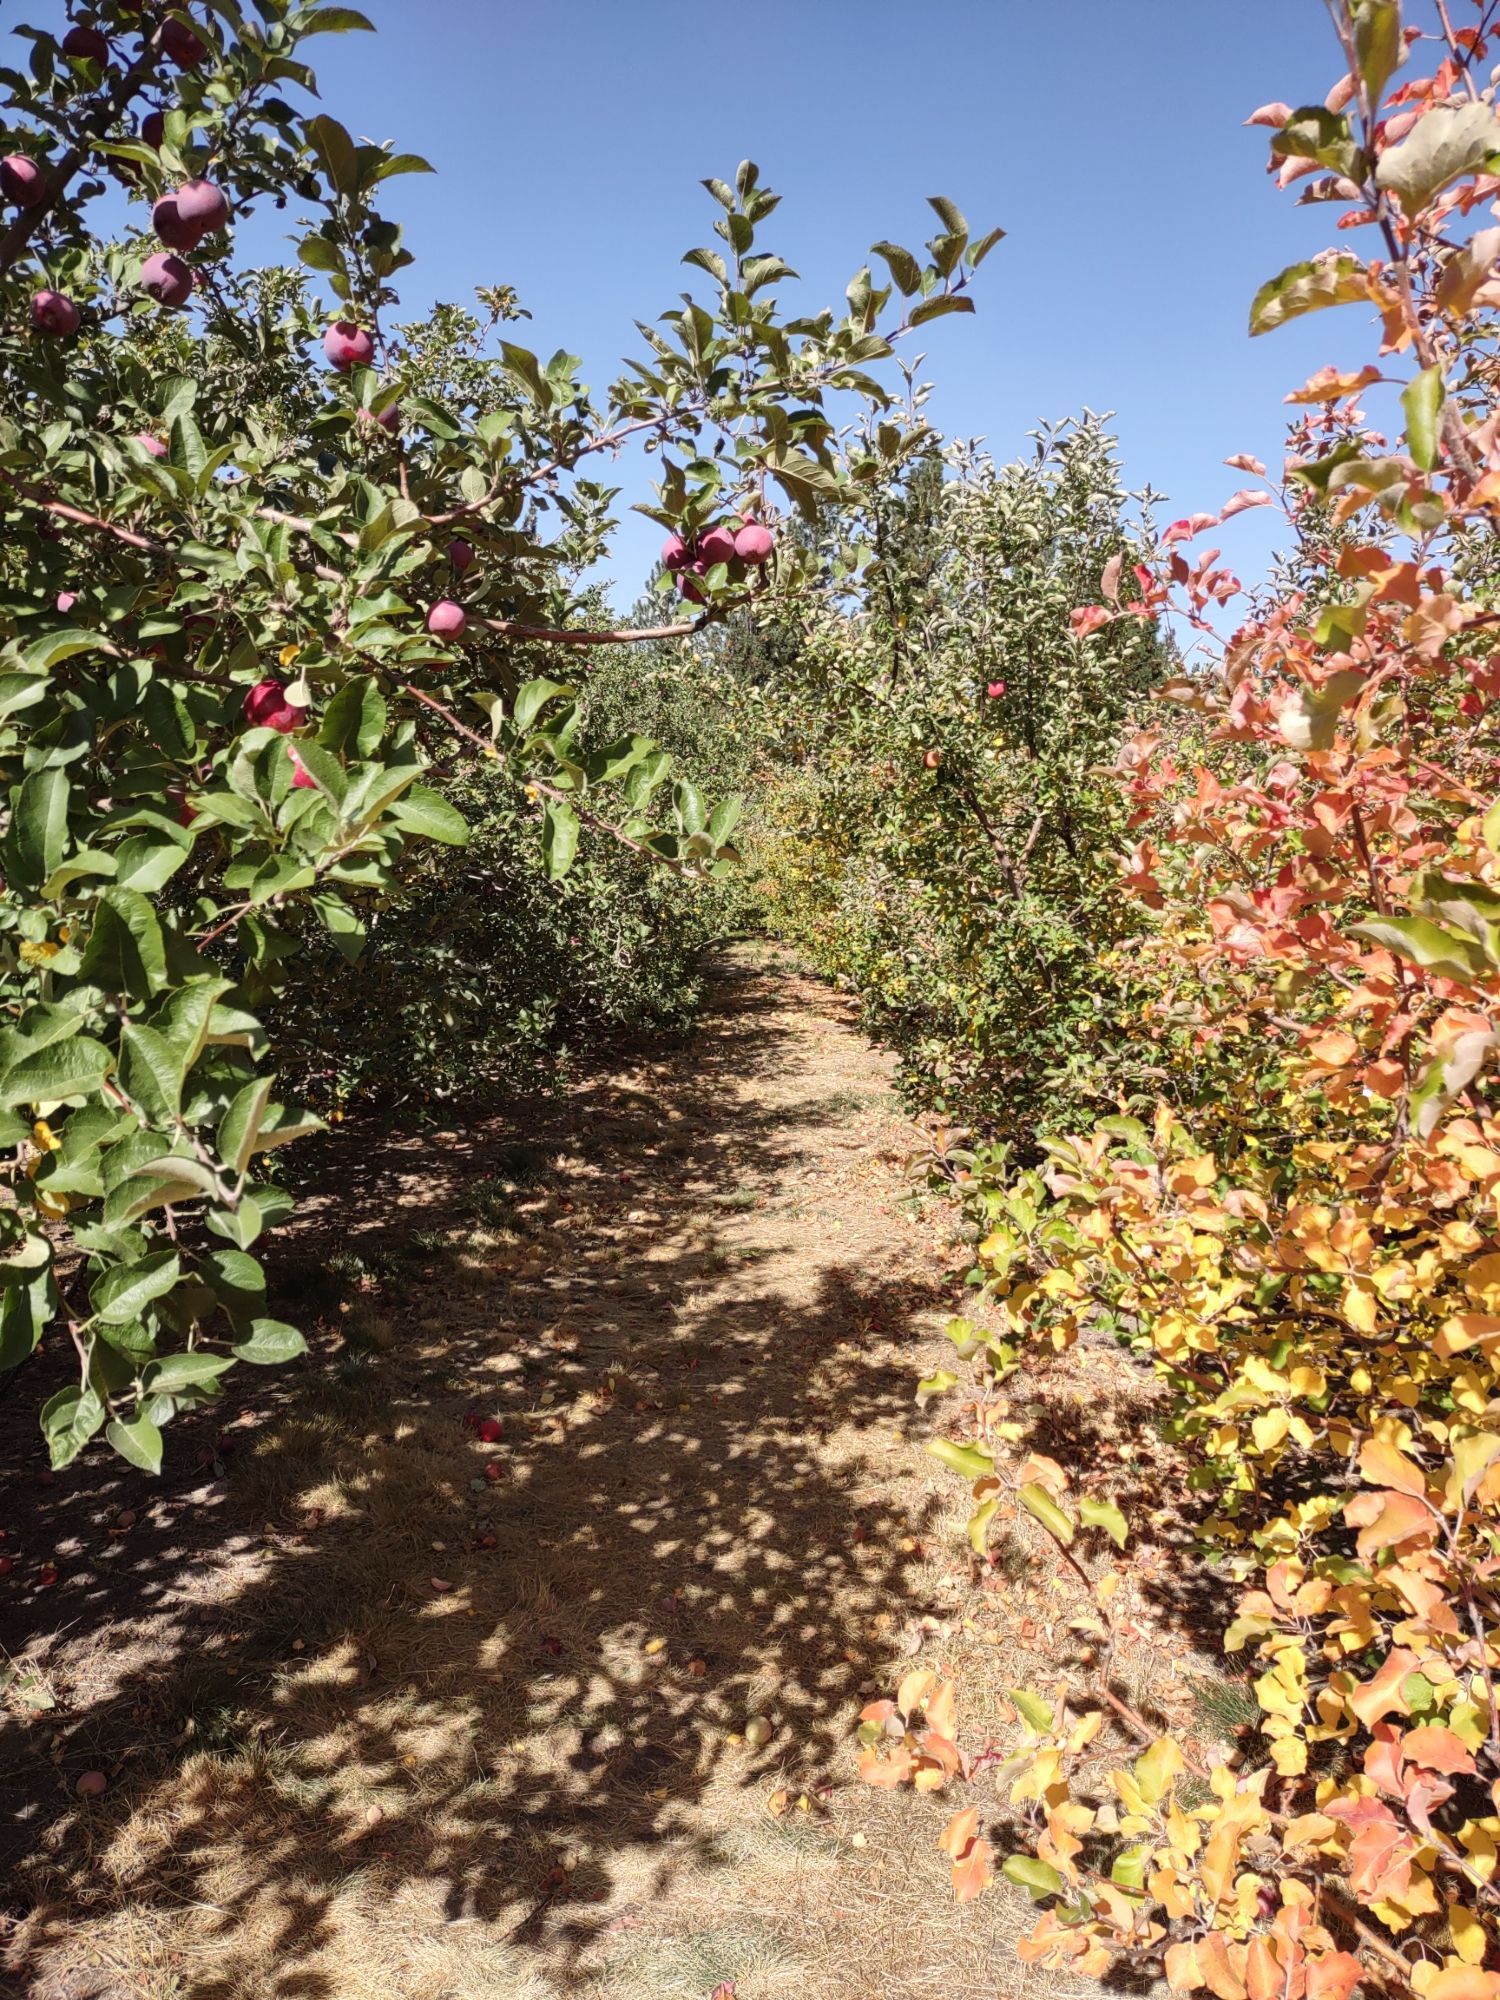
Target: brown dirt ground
(387, 1711)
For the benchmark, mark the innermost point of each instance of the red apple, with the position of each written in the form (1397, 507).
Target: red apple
(86, 44)
(715, 545)
(181, 46)
(6, 1565)
(995, 690)
(165, 278)
(202, 205)
(150, 444)
(388, 419)
(302, 779)
(66, 599)
(686, 587)
(754, 543)
(91, 1785)
(267, 707)
(461, 554)
(54, 313)
(154, 129)
(348, 346)
(171, 227)
(446, 620)
(22, 180)
(488, 1430)
(675, 554)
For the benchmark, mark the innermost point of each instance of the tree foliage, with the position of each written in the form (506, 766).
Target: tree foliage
(939, 836)
(254, 611)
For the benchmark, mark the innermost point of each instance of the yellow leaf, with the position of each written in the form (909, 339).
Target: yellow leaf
(1468, 1934)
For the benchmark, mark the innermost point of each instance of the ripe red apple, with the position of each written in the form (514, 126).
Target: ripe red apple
(86, 44)
(461, 554)
(167, 279)
(754, 543)
(66, 599)
(932, 758)
(154, 129)
(494, 1472)
(715, 545)
(181, 46)
(267, 707)
(150, 443)
(22, 180)
(202, 205)
(388, 419)
(675, 554)
(54, 313)
(91, 1785)
(995, 690)
(446, 620)
(348, 346)
(686, 586)
(302, 779)
(488, 1430)
(169, 225)
(6, 1565)
(184, 814)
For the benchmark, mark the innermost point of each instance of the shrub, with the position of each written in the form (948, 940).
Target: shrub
(1309, 1260)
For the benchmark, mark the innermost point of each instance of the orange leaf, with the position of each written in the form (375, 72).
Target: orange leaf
(1378, 1697)
(1382, 1465)
(973, 1873)
(1334, 1976)
(958, 1835)
(1437, 1749)
(1463, 1982)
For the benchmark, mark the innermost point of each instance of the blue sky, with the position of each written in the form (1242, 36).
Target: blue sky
(1104, 135)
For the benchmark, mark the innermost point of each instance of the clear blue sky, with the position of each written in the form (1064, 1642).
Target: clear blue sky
(1104, 135)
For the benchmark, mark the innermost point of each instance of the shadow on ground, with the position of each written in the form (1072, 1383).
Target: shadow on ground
(366, 1673)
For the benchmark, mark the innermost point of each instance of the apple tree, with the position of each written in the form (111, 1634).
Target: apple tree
(266, 577)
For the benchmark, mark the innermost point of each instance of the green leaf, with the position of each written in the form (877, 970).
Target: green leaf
(126, 952)
(532, 697)
(1428, 945)
(1032, 1709)
(1041, 1506)
(424, 812)
(1378, 45)
(122, 1293)
(334, 21)
(559, 838)
(1316, 133)
(1106, 1515)
(1446, 143)
(40, 827)
(184, 1371)
(1033, 1875)
(139, 1441)
(936, 1384)
(1422, 400)
(936, 307)
(335, 150)
(965, 1459)
(354, 721)
(147, 862)
(270, 1341)
(71, 1068)
(904, 268)
(69, 1420)
(1129, 1866)
(1329, 280)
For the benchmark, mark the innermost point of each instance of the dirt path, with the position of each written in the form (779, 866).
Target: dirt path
(391, 1711)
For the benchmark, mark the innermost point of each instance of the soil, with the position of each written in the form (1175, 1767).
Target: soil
(389, 1709)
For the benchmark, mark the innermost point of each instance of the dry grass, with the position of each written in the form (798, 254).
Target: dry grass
(387, 1711)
